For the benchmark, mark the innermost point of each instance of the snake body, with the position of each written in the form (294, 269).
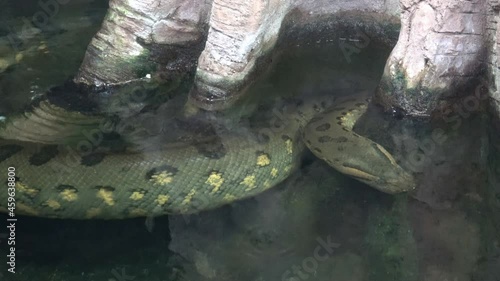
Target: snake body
(188, 177)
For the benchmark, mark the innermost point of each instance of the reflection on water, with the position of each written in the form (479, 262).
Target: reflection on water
(317, 225)
(35, 57)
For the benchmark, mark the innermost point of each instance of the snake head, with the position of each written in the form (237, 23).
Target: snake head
(373, 165)
(384, 173)
(392, 180)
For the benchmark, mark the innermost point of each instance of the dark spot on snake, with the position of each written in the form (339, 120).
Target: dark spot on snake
(43, 156)
(263, 138)
(336, 159)
(6, 151)
(316, 119)
(318, 150)
(343, 113)
(324, 127)
(73, 97)
(323, 104)
(324, 139)
(63, 187)
(164, 168)
(214, 172)
(92, 159)
(340, 148)
(334, 109)
(213, 150)
(343, 128)
(340, 139)
(106, 188)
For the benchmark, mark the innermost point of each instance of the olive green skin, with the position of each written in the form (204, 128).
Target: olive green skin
(188, 177)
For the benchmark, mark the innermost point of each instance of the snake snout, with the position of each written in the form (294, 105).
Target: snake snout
(401, 181)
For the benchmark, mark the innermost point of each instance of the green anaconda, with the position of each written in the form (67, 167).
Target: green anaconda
(181, 178)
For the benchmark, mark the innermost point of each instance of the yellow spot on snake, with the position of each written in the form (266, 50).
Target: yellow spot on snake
(69, 195)
(19, 57)
(267, 184)
(25, 189)
(263, 160)
(137, 195)
(138, 212)
(274, 172)
(346, 121)
(289, 146)
(162, 199)
(162, 178)
(92, 213)
(229, 198)
(53, 204)
(189, 197)
(249, 182)
(215, 180)
(107, 196)
(288, 168)
(25, 209)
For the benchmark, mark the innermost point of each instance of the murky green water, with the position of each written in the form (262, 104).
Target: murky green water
(317, 225)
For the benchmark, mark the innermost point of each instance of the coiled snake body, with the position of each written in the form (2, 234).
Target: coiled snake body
(181, 178)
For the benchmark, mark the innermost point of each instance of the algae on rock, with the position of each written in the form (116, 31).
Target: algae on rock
(392, 253)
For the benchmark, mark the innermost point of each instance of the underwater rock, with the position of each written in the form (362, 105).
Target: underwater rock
(139, 36)
(244, 238)
(441, 49)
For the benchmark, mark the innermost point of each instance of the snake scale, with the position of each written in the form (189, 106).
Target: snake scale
(183, 178)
